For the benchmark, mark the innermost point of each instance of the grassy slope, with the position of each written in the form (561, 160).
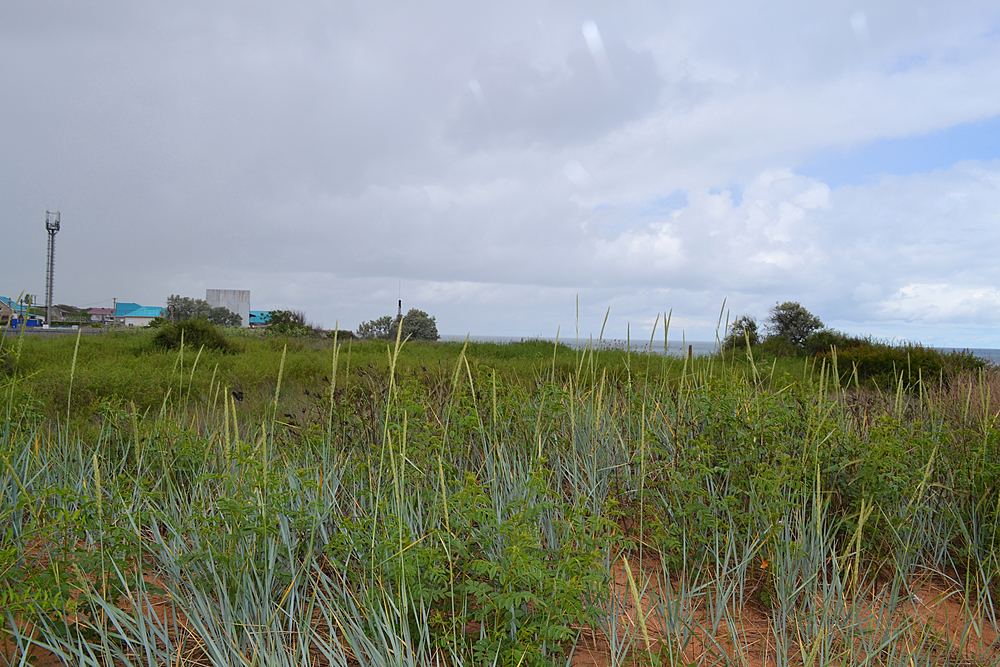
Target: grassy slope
(470, 506)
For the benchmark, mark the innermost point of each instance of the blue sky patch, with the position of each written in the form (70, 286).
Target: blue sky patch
(907, 155)
(735, 193)
(908, 62)
(677, 199)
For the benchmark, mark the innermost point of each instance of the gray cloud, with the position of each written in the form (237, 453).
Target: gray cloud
(567, 105)
(319, 153)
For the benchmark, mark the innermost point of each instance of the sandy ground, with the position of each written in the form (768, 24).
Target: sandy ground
(937, 615)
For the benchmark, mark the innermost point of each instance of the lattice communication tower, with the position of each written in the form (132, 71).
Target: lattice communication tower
(52, 227)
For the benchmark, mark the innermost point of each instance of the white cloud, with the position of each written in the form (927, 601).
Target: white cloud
(943, 303)
(319, 154)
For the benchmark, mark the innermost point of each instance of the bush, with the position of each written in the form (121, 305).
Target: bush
(197, 333)
(340, 334)
(823, 340)
(779, 346)
(741, 331)
(417, 325)
(288, 323)
(886, 365)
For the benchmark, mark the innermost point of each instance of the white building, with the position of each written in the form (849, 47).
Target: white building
(234, 300)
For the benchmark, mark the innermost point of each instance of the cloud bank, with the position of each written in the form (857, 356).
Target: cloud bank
(494, 164)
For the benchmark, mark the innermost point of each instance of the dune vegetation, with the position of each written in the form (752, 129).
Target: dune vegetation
(288, 501)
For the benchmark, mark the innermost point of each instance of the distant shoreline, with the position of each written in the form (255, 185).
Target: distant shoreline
(698, 348)
(674, 347)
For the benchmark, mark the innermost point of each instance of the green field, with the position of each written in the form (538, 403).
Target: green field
(299, 502)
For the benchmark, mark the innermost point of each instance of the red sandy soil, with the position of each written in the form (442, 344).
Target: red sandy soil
(937, 609)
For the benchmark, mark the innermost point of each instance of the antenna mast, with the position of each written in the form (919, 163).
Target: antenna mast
(52, 227)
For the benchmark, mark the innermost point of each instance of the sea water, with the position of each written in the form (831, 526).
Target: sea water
(678, 348)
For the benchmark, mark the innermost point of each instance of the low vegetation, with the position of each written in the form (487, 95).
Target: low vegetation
(794, 332)
(198, 333)
(306, 501)
(183, 308)
(415, 325)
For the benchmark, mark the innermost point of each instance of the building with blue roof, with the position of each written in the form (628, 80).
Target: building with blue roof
(12, 308)
(7, 307)
(134, 315)
(123, 308)
(259, 318)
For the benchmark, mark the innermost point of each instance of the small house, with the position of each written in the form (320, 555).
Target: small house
(134, 315)
(102, 315)
(7, 307)
(141, 316)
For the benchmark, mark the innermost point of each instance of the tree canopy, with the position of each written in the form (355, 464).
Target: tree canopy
(184, 308)
(416, 325)
(377, 328)
(790, 320)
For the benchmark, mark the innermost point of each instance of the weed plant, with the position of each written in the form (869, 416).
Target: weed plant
(307, 502)
(199, 333)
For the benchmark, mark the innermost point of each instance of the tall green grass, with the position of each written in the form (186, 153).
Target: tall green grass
(408, 504)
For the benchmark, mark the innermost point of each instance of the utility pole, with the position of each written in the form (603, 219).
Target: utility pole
(52, 227)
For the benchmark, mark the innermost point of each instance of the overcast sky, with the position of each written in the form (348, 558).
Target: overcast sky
(495, 161)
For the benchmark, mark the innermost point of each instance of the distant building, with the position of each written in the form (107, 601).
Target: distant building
(259, 318)
(234, 300)
(60, 314)
(7, 307)
(142, 316)
(11, 309)
(101, 315)
(134, 315)
(122, 308)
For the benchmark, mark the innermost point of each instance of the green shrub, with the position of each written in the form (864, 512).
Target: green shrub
(376, 329)
(288, 323)
(959, 361)
(886, 365)
(779, 346)
(742, 330)
(825, 339)
(196, 333)
(340, 334)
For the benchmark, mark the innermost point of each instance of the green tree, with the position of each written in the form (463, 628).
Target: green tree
(182, 308)
(418, 325)
(378, 328)
(224, 317)
(741, 331)
(791, 321)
